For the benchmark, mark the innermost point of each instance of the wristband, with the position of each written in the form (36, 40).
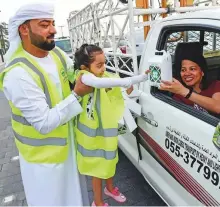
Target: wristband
(190, 93)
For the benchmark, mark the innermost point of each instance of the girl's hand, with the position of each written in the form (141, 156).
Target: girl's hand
(174, 87)
(147, 71)
(129, 90)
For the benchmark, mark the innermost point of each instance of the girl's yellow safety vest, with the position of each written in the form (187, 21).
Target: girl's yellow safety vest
(97, 140)
(33, 146)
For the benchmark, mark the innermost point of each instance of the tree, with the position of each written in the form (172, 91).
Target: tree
(4, 43)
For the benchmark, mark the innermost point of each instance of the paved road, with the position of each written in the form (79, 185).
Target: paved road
(127, 178)
(1, 66)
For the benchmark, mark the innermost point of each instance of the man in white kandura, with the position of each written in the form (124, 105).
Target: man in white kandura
(43, 106)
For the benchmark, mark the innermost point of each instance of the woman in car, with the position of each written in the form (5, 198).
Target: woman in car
(192, 87)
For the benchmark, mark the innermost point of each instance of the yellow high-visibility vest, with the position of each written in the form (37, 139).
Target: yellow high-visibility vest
(97, 141)
(216, 137)
(34, 146)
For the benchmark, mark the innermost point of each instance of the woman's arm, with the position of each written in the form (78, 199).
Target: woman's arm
(210, 104)
(96, 82)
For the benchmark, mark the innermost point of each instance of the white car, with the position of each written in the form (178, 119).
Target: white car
(65, 45)
(173, 146)
(139, 39)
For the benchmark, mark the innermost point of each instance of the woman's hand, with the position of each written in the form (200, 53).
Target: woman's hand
(174, 87)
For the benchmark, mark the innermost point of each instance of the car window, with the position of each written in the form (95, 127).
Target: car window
(210, 39)
(64, 45)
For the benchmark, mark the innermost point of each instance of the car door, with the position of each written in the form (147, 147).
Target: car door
(178, 156)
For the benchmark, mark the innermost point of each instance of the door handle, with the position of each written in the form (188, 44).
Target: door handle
(149, 121)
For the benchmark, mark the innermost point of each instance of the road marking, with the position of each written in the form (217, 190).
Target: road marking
(8, 199)
(15, 158)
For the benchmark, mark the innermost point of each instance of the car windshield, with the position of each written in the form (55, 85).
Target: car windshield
(64, 45)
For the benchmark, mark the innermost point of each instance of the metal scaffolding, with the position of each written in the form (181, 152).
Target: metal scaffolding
(4, 44)
(112, 21)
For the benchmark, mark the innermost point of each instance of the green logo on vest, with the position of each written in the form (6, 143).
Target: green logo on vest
(64, 75)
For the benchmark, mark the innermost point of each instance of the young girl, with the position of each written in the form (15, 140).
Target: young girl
(97, 126)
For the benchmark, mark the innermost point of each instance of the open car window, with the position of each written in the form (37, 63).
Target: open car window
(210, 39)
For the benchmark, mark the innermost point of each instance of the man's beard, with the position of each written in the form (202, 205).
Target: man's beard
(38, 41)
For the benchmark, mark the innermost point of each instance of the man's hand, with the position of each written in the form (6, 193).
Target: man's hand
(81, 89)
(174, 87)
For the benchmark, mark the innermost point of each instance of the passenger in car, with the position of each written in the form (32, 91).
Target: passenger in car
(192, 87)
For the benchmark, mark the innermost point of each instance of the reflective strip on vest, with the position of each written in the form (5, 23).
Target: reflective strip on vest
(20, 119)
(58, 53)
(41, 142)
(97, 132)
(108, 155)
(90, 132)
(31, 66)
